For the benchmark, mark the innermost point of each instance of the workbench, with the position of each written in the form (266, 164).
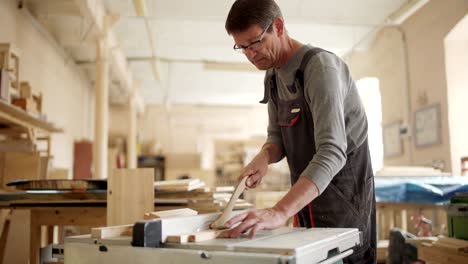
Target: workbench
(283, 245)
(59, 208)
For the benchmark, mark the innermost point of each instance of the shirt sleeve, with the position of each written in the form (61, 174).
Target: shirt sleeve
(325, 91)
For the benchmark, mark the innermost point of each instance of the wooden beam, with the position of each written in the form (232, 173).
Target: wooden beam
(95, 10)
(101, 120)
(132, 134)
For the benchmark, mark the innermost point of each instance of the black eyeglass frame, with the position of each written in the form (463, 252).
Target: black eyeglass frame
(243, 49)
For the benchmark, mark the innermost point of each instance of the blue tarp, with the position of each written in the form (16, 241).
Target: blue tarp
(428, 190)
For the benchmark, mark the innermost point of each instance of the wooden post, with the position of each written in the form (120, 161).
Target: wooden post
(130, 194)
(132, 134)
(101, 120)
(35, 240)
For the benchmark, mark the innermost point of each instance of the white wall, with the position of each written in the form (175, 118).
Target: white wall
(67, 95)
(193, 129)
(409, 62)
(456, 62)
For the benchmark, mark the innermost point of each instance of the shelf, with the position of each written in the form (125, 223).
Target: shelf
(13, 118)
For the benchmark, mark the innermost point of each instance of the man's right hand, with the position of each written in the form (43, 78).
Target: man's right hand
(256, 169)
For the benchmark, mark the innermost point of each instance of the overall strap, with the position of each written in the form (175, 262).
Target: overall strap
(270, 83)
(305, 60)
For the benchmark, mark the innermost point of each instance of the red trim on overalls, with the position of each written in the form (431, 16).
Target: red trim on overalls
(296, 221)
(293, 121)
(312, 224)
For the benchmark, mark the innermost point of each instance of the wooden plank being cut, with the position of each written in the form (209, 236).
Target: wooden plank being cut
(170, 213)
(111, 231)
(188, 224)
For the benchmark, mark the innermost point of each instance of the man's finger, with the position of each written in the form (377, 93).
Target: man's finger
(254, 230)
(251, 181)
(235, 219)
(257, 183)
(237, 231)
(245, 173)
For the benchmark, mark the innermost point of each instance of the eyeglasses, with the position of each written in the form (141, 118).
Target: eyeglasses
(256, 45)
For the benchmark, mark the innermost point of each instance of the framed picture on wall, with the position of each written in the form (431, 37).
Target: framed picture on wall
(427, 126)
(392, 140)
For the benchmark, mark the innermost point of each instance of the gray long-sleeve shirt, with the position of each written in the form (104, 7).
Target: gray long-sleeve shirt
(340, 123)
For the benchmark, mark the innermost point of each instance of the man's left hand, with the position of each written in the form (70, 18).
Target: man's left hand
(255, 220)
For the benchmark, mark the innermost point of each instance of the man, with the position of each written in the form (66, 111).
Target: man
(316, 120)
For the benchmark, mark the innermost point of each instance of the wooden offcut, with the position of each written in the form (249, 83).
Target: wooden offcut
(111, 231)
(204, 235)
(130, 195)
(200, 236)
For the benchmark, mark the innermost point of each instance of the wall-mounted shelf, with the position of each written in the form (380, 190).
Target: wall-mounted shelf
(14, 119)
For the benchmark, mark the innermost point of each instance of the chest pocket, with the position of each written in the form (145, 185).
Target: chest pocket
(289, 114)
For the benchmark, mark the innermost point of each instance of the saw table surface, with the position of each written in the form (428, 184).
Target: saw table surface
(283, 245)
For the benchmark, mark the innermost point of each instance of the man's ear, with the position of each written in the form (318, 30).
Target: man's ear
(278, 24)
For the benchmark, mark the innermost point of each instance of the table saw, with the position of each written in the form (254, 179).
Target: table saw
(283, 245)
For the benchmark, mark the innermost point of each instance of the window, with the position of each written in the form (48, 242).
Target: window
(369, 91)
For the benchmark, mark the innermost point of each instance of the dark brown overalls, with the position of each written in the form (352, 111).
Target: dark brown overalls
(349, 199)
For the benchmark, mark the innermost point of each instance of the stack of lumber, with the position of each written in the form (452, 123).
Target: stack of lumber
(443, 250)
(194, 194)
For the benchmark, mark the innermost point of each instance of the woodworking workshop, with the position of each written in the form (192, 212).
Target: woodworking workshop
(233, 131)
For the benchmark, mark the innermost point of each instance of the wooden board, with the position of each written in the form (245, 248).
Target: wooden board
(130, 195)
(80, 185)
(178, 185)
(170, 213)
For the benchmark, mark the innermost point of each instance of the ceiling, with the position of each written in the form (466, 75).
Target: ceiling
(188, 32)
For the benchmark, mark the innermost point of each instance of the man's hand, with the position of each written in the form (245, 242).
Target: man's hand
(255, 220)
(255, 170)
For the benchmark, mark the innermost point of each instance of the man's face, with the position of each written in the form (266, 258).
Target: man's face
(259, 54)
